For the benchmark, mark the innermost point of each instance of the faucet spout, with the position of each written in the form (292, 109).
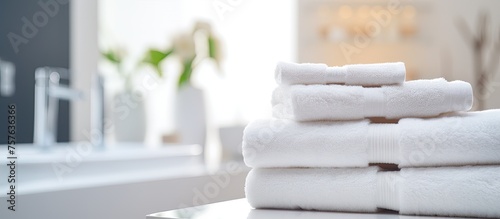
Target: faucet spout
(64, 93)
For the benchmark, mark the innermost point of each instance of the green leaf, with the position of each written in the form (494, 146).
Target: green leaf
(112, 57)
(212, 50)
(187, 69)
(155, 57)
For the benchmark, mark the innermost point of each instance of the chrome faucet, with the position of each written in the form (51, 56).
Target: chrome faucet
(48, 92)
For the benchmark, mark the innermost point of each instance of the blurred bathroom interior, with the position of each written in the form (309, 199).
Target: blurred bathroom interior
(160, 74)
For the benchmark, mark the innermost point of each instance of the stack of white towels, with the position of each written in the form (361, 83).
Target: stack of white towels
(334, 126)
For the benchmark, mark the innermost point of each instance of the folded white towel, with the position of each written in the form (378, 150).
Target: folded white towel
(360, 74)
(448, 191)
(466, 138)
(313, 189)
(419, 98)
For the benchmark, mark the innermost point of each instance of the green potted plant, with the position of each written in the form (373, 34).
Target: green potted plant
(191, 49)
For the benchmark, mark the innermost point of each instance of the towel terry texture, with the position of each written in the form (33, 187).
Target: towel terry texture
(455, 191)
(359, 74)
(419, 98)
(466, 138)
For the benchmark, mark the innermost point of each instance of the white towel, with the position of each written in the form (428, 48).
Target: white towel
(360, 74)
(313, 189)
(447, 191)
(419, 98)
(466, 138)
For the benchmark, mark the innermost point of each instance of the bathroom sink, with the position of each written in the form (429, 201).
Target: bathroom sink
(72, 165)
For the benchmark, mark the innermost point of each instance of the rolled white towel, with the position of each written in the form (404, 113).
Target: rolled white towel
(359, 74)
(471, 191)
(419, 98)
(467, 138)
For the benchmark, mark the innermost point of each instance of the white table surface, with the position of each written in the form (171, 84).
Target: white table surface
(239, 208)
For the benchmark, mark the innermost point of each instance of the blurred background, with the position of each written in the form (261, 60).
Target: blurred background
(434, 39)
(164, 73)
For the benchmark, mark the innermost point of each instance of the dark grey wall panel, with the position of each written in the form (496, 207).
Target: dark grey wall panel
(47, 46)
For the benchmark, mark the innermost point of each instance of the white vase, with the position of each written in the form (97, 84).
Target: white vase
(230, 139)
(129, 117)
(190, 115)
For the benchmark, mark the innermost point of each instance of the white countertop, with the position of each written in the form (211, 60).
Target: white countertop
(240, 208)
